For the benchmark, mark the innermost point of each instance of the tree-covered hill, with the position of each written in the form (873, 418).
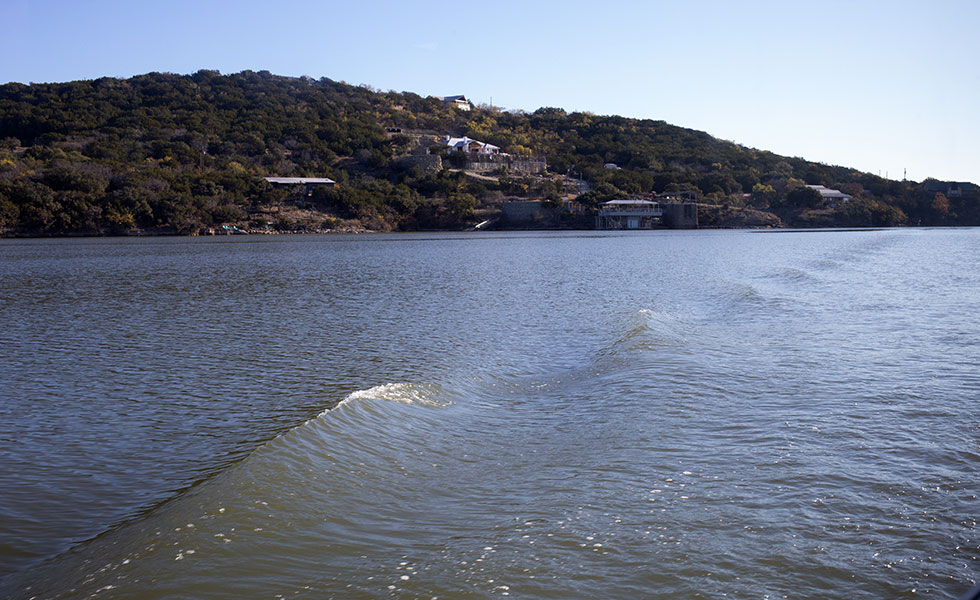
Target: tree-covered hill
(171, 153)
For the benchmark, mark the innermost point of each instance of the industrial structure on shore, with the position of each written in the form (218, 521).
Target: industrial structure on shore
(665, 211)
(670, 210)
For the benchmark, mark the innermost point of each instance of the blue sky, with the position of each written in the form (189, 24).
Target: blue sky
(876, 85)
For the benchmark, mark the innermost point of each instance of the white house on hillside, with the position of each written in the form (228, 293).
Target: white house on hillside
(459, 102)
(831, 197)
(465, 144)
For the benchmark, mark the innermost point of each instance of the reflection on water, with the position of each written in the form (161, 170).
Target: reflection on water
(665, 414)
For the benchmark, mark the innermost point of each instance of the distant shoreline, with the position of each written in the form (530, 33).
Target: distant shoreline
(160, 234)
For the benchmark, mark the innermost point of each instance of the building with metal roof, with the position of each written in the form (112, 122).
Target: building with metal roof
(308, 183)
(300, 181)
(831, 197)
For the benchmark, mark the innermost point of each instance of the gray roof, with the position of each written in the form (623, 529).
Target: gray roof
(299, 180)
(933, 185)
(826, 192)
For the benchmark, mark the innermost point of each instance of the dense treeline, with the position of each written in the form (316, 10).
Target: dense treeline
(181, 153)
(654, 156)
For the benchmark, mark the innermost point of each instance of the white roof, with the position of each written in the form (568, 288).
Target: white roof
(451, 141)
(298, 180)
(627, 202)
(454, 142)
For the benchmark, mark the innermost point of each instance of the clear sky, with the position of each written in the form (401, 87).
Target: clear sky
(881, 86)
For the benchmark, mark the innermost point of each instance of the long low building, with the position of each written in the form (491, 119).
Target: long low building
(308, 183)
(831, 197)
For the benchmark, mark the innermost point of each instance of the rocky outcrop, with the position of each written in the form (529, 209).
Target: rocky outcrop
(730, 217)
(431, 163)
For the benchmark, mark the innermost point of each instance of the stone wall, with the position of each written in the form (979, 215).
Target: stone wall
(487, 163)
(681, 216)
(528, 214)
(431, 163)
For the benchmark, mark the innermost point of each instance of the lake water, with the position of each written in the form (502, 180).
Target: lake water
(696, 414)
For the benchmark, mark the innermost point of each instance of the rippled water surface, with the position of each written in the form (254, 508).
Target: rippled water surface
(649, 415)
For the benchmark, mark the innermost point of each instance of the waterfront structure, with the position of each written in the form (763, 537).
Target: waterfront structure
(528, 213)
(680, 215)
(629, 214)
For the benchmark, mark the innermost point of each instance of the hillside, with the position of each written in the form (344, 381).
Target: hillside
(184, 154)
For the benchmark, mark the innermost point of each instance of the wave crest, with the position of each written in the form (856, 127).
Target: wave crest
(649, 330)
(403, 393)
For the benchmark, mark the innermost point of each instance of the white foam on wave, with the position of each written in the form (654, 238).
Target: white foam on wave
(403, 393)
